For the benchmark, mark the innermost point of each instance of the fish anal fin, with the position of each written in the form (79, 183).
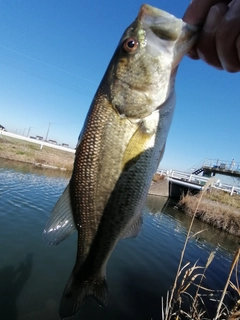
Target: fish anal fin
(60, 223)
(76, 293)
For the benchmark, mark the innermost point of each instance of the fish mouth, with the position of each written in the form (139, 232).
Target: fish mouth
(168, 29)
(163, 24)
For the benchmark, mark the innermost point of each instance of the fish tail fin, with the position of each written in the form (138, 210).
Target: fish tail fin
(76, 292)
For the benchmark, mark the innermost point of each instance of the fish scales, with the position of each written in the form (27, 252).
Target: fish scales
(119, 150)
(91, 187)
(128, 190)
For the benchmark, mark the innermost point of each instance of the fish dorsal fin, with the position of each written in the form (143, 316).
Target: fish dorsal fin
(60, 223)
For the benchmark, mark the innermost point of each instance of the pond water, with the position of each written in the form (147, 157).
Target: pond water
(139, 272)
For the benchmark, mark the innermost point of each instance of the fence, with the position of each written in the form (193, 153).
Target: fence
(189, 179)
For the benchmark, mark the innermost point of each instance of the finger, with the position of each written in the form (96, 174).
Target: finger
(192, 53)
(227, 39)
(197, 11)
(238, 47)
(206, 45)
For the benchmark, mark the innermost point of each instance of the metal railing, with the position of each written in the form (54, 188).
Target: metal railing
(222, 164)
(199, 180)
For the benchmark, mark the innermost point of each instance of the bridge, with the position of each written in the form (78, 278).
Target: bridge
(211, 167)
(176, 183)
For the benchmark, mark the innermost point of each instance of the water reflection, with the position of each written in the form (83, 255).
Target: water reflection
(12, 282)
(210, 235)
(139, 272)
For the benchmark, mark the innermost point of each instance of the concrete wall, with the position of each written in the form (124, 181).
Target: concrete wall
(160, 188)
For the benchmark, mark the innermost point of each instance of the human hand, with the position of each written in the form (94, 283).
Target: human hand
(219, 40)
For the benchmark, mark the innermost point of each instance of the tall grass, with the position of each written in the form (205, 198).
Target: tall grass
(192, 276)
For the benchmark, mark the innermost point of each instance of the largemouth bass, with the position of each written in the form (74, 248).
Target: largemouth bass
(119, 150)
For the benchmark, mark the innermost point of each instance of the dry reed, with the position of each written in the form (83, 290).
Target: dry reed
(158, 177)
(187, 276)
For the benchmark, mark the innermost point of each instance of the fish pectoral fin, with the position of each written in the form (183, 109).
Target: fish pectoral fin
(138, 144)
(133, 230)
(60, 223)
(76, 293)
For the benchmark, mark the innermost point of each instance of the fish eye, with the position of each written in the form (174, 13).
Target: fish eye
(130, 45)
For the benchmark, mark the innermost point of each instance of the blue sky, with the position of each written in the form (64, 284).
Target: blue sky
(53, 54)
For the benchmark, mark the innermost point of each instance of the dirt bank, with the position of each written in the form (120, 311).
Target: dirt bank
(27, 152)
(217, 208)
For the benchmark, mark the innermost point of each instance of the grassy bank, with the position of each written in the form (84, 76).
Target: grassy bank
(27, 152)
(216, 207)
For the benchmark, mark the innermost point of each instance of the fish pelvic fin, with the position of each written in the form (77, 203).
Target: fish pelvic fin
(60, 223)
(133, 230)
(76, 292)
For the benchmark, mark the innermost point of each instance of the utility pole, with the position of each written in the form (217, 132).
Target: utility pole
(29, 131)
(49, 124)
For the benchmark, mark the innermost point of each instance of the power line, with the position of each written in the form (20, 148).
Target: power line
(50, 78)
(47, 64)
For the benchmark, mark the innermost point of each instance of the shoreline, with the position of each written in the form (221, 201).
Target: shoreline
(222, 212)
(31, 153)
(217, 208)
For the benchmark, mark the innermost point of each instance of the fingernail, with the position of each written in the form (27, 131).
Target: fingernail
(234, 10)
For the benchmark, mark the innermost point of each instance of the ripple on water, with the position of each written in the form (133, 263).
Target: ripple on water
(139, 271)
